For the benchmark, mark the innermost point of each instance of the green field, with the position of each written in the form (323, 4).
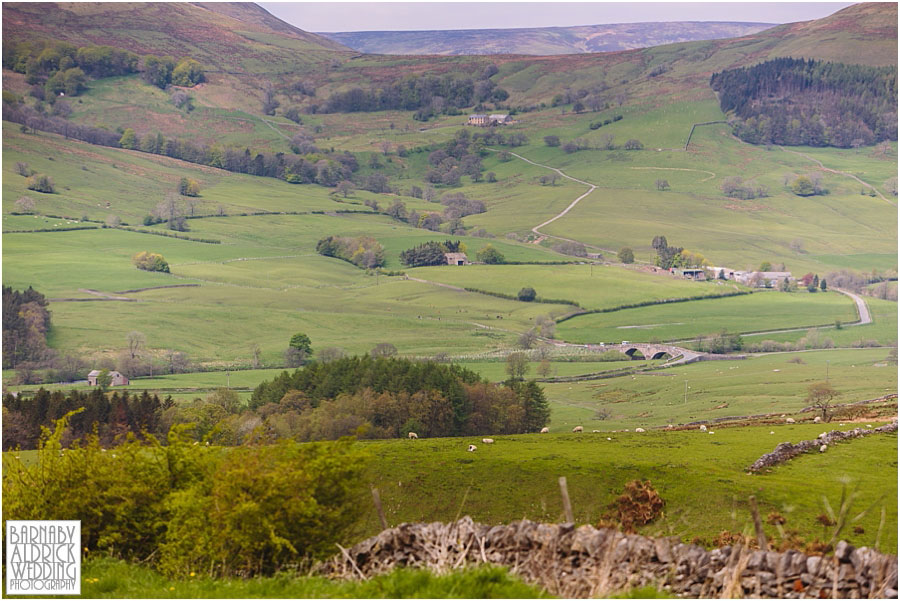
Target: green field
(772, 383)
(680, 321)
(590, 286)
(436, 479)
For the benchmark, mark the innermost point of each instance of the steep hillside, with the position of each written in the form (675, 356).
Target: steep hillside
(227, 37)
(542, 41)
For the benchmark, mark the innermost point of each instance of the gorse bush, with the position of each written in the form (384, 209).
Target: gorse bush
(184, 508)
(149, 261)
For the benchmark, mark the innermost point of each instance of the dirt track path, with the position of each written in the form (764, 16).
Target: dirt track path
(844, 173)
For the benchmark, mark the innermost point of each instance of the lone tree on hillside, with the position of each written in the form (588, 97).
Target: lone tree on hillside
(383, 349)
(136, 342)
(517, 366)
(626, 255)
(662, 184)
(527, 294)
(490, 255)
(820, 395)
(301, 342)
(551, 140)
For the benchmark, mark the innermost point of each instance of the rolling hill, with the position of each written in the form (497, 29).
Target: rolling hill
(541, 41)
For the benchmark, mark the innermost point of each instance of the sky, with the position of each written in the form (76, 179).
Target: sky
(393, 16)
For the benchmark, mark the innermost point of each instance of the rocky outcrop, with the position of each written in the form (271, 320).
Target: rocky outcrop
(786, 450)
(589, 562)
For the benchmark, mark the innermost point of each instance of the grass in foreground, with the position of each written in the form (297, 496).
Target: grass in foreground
(112, 579)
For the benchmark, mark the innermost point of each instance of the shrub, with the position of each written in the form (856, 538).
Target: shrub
(25, 205)
(527, 294)
(259, 509)
(150, 262)
(41, 183)
(626, 255)
(490, 255)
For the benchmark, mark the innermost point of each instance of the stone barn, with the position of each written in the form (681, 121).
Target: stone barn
(456, 258)
(117, 378)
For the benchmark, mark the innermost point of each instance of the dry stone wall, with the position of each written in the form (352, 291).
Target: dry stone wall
(589, 562)
(787, 451)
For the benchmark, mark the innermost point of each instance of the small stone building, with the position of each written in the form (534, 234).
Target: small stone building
(117, 378)
(500, 119)
(456, 258)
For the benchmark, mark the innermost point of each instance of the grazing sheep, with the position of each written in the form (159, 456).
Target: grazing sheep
(578, 429)
(472, 448)
(702, 428)
(772, 432)
(818, 420)
(823, 448)
(711, 432)
(595, 431)
(487, 440)
(545, 430)
(608, 438)
(823, 434)
(639, 430)
(413, 435)
(790, 420)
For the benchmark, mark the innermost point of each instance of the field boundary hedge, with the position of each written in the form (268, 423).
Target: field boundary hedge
(653, 302)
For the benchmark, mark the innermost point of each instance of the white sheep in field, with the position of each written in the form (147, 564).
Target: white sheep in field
(487, 440)
(823, 448)
(818, 420)
(790, 420)
(413, 436)
(702, 428)
(471, 448)
(595, 431)
(545, 430)
(823, 434)
(639, 430)
(578, 429)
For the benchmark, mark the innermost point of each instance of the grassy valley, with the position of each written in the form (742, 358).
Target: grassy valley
(560, 215)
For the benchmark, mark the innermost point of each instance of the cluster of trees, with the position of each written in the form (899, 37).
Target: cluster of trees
(43, 59)
(735, 187)
(63, 67)
(160, 71)
(327, 169)
(389, 397)
(430, 253)
(810, 102)
(859, 281)
(180, 506)
(149, 261)
(812, 282)
(675, 256)
(26, 321)
(587, 98)
(362, 251)
(115, 416)
(605, 142)
(459, 156)
(41, 183)
(806, 185)
(720, 343)
(427, 95)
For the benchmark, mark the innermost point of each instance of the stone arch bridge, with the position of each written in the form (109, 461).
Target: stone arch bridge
(676, 354)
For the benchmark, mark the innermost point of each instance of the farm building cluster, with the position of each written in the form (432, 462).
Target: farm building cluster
(755, 279)
(489, 120)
